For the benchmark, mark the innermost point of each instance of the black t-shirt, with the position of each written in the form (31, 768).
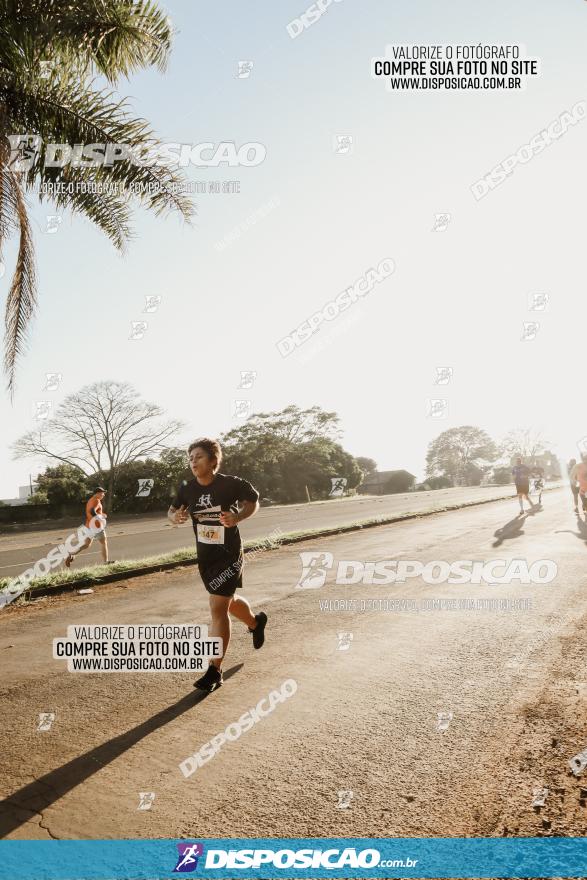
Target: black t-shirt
(521, 474)
(205, 504)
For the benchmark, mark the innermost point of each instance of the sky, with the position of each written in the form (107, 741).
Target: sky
(458, 298)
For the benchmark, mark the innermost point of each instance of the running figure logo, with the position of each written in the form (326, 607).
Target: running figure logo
(529, 331)
(45, 69)
(538, 302)
(443, 721)
(52, 381)
(244, 69)
(338, 486)
(242, 409)
(152, 303)
(539, 797)
(46, 719)
(53, 223)
(344, 641)
(138, 329)
(43, 409)
(314, 568)
(146, 799)
(438, 407)
(205, 501)
(342, 144)
(145, 487)
(344, 800)
(247, 379)
(189, 854)
(24, 149)
(443, 375)
(441, 222)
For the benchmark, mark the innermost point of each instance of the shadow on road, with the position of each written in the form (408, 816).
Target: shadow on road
(37, 796)
(581, 534)
(513, 528)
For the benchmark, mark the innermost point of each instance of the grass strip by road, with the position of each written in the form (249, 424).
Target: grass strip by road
(64, 580)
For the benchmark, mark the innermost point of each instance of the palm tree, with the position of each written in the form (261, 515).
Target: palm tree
(53, 54)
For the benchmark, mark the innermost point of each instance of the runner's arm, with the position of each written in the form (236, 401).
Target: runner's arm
(246, 509)
(177, 515)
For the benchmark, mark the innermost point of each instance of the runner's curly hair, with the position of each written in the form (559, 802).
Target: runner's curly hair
(211, 447)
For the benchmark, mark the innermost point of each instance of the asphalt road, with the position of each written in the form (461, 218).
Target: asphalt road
(134, 538)
(363, 720)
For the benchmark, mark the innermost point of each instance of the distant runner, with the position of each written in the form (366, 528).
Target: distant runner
(579, 474)
(521, 474)
(217, 503)
(94, 517)
(538, 482)
(573, 484)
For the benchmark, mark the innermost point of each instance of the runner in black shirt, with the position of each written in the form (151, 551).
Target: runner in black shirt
(521, 474)
(216, 503)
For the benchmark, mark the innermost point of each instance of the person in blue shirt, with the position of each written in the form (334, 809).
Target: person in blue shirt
(521, 474)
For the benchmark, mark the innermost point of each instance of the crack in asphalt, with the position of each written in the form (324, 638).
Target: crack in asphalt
(33, 813)
(46, 828)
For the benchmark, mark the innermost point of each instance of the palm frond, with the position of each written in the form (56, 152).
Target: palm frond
(70, 112)
(112, 37)
(21, 300)
(74, 41)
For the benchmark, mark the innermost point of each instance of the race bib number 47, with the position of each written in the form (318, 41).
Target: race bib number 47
(210, 534)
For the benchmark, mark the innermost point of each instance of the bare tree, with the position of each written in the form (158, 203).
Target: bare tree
(525, 442)
(99, 429)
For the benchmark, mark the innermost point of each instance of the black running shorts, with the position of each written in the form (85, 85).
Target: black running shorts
(222, 577)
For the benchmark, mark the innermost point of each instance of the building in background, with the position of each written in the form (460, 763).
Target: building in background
(387, 483)
(24, 493)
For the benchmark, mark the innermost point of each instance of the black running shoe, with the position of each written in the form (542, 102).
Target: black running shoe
(259, 631)
(211, 680)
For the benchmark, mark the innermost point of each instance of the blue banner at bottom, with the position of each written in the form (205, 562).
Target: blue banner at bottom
(293, 857)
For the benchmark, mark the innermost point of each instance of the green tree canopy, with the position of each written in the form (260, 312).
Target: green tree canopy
(167, 473)
(459, 453)
(367, 465)
(63, 484)
(283, 452)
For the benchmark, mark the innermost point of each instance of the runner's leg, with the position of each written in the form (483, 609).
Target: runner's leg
(220, 628)
(241, 609)
(84, 546)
